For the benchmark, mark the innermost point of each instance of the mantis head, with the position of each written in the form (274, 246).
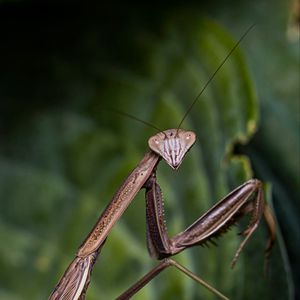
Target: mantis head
(172, 145)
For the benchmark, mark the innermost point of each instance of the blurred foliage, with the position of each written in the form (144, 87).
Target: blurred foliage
(63, 156)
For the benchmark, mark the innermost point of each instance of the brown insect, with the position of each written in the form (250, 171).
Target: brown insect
(170, 145)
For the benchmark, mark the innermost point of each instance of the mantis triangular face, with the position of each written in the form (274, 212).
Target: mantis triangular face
(172, 145)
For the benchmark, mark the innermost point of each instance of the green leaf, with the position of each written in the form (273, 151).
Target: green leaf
(65, 157)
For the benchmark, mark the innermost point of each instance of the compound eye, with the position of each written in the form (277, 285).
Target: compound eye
(154, 143)
(190, 137)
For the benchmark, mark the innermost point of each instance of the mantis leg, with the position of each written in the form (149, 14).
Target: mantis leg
(247, 198)
(76, 279)
(166, 262)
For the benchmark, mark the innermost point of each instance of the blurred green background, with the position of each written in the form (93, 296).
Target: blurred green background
(62, 156)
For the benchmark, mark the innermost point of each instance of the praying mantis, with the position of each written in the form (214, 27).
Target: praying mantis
(170, 145)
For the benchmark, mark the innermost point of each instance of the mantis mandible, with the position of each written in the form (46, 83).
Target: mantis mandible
(171, 146)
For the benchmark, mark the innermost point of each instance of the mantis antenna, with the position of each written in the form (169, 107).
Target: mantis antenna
(124, 114)
(213, 75)
(199, 94)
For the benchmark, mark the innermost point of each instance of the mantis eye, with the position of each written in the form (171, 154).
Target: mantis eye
(154, 143)
(190, 136)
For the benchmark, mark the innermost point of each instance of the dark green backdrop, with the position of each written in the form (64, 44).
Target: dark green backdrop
(62, 156)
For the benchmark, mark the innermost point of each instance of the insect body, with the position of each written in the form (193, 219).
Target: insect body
(172, 146)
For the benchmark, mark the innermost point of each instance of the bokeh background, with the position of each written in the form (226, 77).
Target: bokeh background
(62, 155)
